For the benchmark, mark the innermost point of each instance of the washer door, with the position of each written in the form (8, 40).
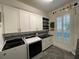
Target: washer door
(35, 48)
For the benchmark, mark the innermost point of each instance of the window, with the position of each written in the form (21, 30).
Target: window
(59, 28)
(63, 27)
(66, 27)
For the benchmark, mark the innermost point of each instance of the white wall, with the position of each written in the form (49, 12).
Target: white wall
(76, 27)
(1, 31)
(20, 5)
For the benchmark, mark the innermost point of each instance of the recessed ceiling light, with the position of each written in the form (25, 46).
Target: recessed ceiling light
(48, 0)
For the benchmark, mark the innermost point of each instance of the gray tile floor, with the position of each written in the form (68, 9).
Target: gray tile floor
(56, 53)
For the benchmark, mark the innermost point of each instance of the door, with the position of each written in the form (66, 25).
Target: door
(11, 19)
(24, 21)
(63, 31)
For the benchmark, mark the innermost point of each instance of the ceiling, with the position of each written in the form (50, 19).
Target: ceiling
(46, 6)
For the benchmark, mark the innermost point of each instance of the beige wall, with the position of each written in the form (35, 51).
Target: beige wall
(23, 6)
(74, 30)
(76, 26)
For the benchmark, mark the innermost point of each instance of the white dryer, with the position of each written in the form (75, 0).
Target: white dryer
(34, 46)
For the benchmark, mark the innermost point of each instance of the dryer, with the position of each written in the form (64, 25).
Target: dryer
(34, 46)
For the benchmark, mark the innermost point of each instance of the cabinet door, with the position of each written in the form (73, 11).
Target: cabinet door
(36, 22)
(43, 44)
(50, 41)
(39, 23)
(11, 19)
(1, 55)
(47, 42)
(33, 26)
(15, 53)
(24, 21)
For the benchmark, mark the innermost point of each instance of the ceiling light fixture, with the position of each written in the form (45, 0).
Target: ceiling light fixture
(48, 0)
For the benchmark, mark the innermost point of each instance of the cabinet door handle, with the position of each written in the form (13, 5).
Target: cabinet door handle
(5, 54)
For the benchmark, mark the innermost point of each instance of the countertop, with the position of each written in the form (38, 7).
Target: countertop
(44, 36)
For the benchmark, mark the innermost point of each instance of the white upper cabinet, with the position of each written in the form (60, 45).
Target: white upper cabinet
(39, 23)
(24, 21)
(30, 21)
(36, 22)
(11, 19)
(33, 24)
(16, 20)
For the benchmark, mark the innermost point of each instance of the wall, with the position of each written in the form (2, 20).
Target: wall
(74, 30)
(76, 27)
(20, 5)
(1, 30)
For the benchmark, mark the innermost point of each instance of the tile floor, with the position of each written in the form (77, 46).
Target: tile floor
(56, 53)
